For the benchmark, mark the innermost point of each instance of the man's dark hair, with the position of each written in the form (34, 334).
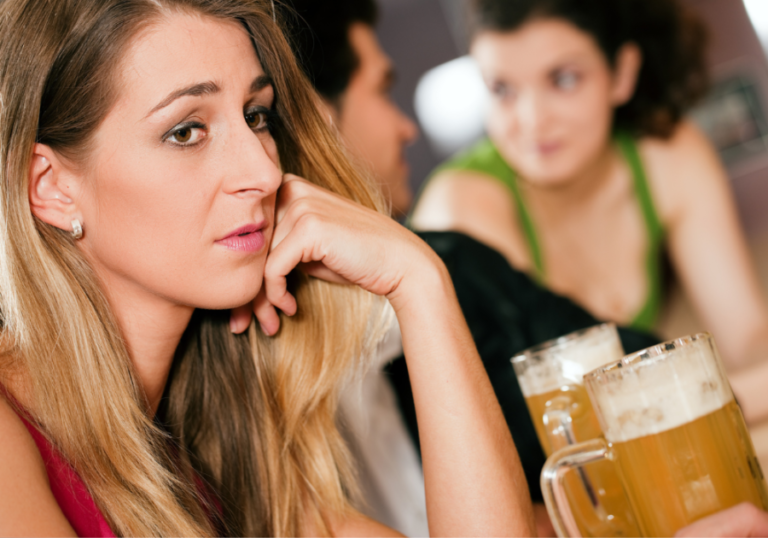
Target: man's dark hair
(672, 39)
(318, 31)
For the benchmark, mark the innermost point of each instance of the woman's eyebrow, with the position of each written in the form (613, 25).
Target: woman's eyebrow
(207, 88)
(569, 58)
(260, 82)
(203, 88)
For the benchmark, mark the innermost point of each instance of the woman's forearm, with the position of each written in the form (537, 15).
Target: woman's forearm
(475, 483)
(749, 388)
(749, 373)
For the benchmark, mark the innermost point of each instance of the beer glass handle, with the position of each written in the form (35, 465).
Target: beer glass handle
(559, 428)
(558, 424)
(559, 463)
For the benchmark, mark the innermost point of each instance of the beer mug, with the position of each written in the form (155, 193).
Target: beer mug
(550, 377)
(675, 434)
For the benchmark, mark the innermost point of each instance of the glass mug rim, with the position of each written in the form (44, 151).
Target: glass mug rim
(645, 358)
(560, 342)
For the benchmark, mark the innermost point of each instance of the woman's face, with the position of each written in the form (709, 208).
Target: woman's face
(178, 193)
(553, 96)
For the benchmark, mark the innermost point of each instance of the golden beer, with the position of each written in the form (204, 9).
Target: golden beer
(686, 473)
(600, 506)
(675, 434)
(583, 419)
(550, 377)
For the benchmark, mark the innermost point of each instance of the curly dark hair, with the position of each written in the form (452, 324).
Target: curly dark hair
(672, 39)
(319, 35)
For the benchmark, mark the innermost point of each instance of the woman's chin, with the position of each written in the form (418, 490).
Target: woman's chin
(547, 178)
(227, 300)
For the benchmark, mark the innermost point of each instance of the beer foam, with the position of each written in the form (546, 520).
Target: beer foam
(657, 394)
(566, 364)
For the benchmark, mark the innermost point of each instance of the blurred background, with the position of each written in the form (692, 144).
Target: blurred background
(438, 86)
(427, 40)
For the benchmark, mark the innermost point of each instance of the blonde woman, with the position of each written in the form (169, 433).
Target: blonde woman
(142, 150)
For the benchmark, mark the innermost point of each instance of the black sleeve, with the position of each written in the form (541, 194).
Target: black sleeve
(507, 313)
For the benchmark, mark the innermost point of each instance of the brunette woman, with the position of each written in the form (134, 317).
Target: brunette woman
(591, 171)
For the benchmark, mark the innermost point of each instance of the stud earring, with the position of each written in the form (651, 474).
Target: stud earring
(77, 229)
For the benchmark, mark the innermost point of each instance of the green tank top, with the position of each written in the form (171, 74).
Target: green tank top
(485, 159)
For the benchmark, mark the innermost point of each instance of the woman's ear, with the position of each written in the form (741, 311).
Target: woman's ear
(629, 60)
(52, 192)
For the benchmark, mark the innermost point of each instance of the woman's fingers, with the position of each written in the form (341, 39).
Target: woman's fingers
(319, 270)
(266, 313)
(335, 239)
(240, 318)
(741, 520)
(286, 254)
(327, 237)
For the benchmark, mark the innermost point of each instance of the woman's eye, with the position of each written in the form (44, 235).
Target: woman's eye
(502, 90)
(258, 120)
(566, 80)
(186, 135)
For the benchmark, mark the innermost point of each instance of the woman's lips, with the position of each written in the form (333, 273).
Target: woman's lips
(249, 238)
(547, 148)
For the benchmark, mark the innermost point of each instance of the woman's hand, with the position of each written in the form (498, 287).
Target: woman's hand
(474, 483)
(741, 520)
(330, 237)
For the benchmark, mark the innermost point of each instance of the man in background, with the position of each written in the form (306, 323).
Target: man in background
(336, 45)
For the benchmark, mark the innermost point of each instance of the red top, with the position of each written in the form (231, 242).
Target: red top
(68, 489)
(72, 495)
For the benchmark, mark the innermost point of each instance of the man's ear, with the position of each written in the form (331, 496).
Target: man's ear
(329, 111)
(629, 60)
(52, 189)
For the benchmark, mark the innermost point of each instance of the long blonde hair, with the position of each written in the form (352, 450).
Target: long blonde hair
(250, 417)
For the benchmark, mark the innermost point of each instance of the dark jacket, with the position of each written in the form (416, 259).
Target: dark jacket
(507, 313)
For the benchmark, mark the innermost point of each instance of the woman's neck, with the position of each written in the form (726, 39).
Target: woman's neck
(152, 328)
(576, 192)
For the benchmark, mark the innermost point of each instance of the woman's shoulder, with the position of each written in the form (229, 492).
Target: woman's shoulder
(477, 205)
(686, 141)
(456, 199)
(17, 446)
(27, 505)
(461, 185)
(679, 167)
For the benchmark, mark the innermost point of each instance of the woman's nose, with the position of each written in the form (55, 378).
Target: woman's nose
(253, 165)
(531, 112)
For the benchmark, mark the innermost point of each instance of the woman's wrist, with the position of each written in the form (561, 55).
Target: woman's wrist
(425, 285)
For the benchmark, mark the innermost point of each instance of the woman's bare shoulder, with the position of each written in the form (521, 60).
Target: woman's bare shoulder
(681, 166)
(356, 524)
(453, 197)
(477, 205)
(685, 141)
(27, 506)
(16, 443)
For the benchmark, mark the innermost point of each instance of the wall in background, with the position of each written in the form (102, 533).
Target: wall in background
(737, 58)
(416, 35)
